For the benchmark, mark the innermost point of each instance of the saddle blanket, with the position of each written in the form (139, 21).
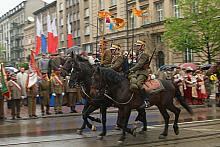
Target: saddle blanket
(153, 86)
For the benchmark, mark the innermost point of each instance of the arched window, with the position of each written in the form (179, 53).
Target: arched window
(160, 59)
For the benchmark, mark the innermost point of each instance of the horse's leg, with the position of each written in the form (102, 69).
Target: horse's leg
(176, 111)
(87, 110)
(166, 117)
(98, 120)
(124, 123)
(142, 117)
(103, 112)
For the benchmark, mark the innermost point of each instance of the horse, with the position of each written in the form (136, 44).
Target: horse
(82, 73)
(116, 88)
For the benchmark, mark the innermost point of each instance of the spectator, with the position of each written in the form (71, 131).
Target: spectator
(22, 79)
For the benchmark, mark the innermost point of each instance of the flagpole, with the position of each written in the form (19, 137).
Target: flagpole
(132, 49)
(97, 35)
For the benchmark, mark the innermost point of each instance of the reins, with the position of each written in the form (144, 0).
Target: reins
(106, 95)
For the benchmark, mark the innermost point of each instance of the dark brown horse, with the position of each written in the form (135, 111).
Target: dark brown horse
(116, 88)
(82, 73)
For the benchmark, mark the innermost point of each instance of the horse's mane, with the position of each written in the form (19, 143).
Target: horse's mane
(81, 59)
(112, 75)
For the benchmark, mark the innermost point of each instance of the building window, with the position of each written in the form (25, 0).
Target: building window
(176, 11)
(86, 12)
(61, 21)
(101, 4)
(62, 37)
(159, 11)
(146, 19)
(160, 59)
(188, 55)
(88, 48)
(113, 2)
(61, 6)
(87, 30)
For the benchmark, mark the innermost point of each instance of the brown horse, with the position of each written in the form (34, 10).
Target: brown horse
(116, 88)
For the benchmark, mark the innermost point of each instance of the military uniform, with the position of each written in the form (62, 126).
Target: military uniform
(72, 94)
(1, 105)
(117, 61)
(31, 94)
(107, 58)
(57, 88)
(15, 94)
(138, 73)
(44, 90)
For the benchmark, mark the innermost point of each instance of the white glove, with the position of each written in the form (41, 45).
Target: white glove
(63, 93)
(38, 95)
(53, 94)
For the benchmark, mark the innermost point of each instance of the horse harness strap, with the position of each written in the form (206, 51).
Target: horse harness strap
(83, 90)
(106, 95)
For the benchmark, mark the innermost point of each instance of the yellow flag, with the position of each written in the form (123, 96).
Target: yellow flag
(104, 14)
(119, 23)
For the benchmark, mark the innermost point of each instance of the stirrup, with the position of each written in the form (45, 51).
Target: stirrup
(147, 104)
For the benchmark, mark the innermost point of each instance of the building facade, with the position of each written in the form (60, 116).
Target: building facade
(12, 26)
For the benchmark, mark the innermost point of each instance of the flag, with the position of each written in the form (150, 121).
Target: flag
(104, 14)
(49, 35)
(118, 23)
(69, 36)
(55, 36)
(34, 72)
(136, 12)
(43, 40)
(38, 36)
(5, 90)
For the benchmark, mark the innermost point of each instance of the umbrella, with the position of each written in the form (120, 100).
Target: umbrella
(167, 67)
(74, 49)
(11, 69)
(205, 66)
(192, 65)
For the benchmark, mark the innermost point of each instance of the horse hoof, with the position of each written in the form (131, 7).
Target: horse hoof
(79, 132)
(120, 142)
(99, 137)
(176, 131)
(162, 136)
(93, 128)
(117, 128)
(134, 132)
(98, 120)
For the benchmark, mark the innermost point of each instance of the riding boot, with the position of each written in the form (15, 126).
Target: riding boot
(145, 97)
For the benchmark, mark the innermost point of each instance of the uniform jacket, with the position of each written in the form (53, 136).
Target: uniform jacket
(142, 64)
(107, 58)
(15, 91)
(44, 87)
(57, 87)
(32, 91)
(117, 63)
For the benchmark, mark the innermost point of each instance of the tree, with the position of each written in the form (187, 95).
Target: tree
(198, 30)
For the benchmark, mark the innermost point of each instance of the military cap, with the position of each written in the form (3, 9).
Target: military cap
(140, 42)
(115, 46)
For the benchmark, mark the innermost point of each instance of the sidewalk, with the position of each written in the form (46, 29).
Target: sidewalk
(66, 111)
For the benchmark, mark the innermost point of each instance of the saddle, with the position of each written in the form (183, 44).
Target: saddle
(153, 86)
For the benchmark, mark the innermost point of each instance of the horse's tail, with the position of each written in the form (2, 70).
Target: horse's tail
(182, 101)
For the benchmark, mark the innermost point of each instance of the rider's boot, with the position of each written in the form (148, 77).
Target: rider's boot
(145, 97)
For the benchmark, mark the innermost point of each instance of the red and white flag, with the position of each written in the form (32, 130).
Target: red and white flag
(55, 36)
(38, 36)
(49, 35)
(34, 72)
(70, 36)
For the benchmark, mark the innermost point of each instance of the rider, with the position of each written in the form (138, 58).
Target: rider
(107, 56)
(117, 59)
(139, 73)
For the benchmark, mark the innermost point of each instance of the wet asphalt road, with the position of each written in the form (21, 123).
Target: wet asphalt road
(61, 131)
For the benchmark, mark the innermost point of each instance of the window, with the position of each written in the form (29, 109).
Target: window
(160, 59)
(159, 11)
(146, 19)
(87, 30)
(113, 2)
(62, 37)
(61, 21)
(61, 6)
(88, 48)
(188, 55)
(176, 11)
(101, 4)
(86, 12)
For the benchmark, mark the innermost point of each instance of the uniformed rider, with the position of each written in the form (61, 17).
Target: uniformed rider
(139, 73)
(117, 58)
